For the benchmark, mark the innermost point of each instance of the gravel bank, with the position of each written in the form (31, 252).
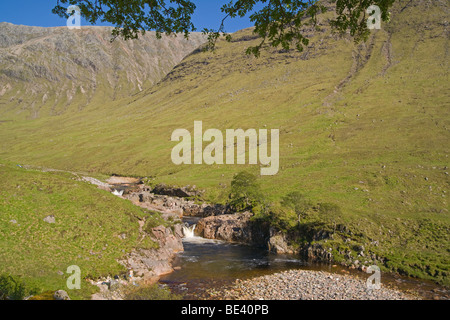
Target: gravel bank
(306, 285)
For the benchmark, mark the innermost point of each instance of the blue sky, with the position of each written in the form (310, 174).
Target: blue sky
(39, 13)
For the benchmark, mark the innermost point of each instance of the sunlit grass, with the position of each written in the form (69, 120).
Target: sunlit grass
(88, 223)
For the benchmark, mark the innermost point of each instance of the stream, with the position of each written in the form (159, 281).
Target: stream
(211, 264)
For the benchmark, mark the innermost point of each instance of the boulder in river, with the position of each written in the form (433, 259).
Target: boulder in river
(236, 227)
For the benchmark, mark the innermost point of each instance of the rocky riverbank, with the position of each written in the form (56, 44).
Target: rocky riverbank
(144, 266)
(306, 285)
(218, 223)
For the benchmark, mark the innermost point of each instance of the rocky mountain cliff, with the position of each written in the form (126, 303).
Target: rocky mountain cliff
(46, 71)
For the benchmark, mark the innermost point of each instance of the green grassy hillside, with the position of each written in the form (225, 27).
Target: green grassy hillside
(88, 223)
(363, 126)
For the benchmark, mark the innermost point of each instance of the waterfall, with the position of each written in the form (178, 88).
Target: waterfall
(189, 231)
(118, 193)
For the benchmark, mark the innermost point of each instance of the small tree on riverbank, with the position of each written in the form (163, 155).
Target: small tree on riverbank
(245, 192)
(298, 203)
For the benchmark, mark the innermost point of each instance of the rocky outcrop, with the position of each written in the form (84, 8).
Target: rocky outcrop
(183, 192)
(172, 205)
(278, 243)
(230, 227)
(317, 253)
(123, 180)
(239, 227)
(51, 71)
(170, 201)
(236, 227)
(149, 264)
(214, 210)
(164, 204)
(124, 185)
(282, 243)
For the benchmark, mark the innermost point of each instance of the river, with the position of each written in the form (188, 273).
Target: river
(208, 264)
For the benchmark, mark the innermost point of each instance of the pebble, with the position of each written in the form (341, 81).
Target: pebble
(306, 285)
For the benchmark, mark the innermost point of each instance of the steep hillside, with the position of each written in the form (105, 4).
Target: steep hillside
(363, 126)
(379, 102)
(50, 71)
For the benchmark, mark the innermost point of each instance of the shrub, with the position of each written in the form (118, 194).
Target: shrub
(282, 218)
(245, 192)
(14, 288)
(298, 203)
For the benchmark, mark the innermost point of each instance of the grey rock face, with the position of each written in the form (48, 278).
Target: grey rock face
(152, 263)
(183, 192)
(278, 244)
(44, 69)
(234, 228)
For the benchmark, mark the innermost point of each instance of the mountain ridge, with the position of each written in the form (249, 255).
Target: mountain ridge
(45, 71)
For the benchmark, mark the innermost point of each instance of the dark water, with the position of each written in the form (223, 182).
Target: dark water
(214, 260)
(206, 264)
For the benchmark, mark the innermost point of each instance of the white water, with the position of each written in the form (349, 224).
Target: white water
(189, 231)
(190, 237)
(118, 193)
